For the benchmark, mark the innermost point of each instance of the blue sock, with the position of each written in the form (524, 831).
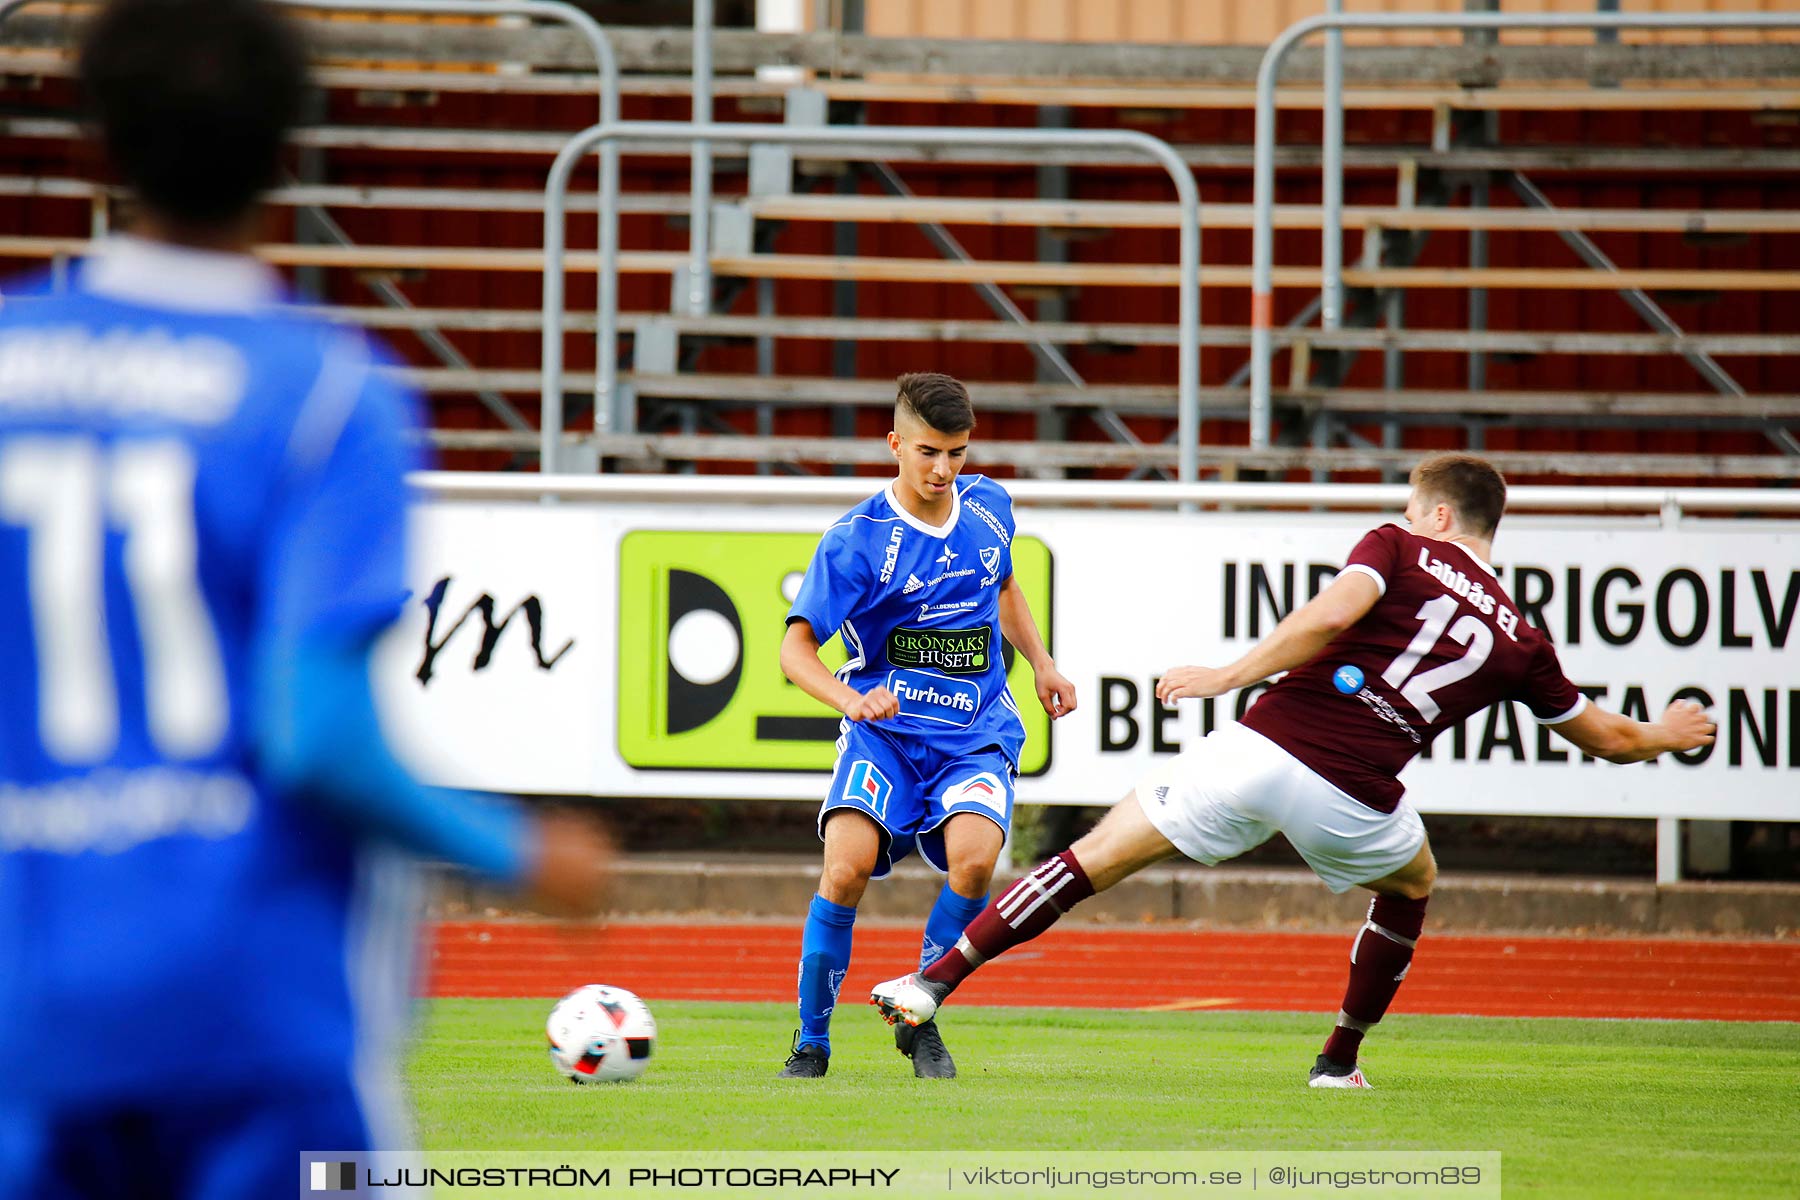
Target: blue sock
(949, 917)
(824, 961)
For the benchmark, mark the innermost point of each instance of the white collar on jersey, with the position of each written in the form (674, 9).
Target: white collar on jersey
(936, 531)
(1476, 558)
(140, 271)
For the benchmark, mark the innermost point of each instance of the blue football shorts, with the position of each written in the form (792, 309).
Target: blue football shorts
(910, 790)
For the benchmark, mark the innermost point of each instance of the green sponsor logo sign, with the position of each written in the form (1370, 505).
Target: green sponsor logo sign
(701, 618)
(952, 651)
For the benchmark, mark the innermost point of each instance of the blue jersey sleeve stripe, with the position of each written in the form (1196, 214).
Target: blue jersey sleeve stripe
(324, 414)
(321, 742)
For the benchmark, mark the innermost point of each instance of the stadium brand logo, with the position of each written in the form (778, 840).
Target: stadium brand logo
(701, 616)
(935, 698)
(893, 553)
(952, 651)
(531, 606)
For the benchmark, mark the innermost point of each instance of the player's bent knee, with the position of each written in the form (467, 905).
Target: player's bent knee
(971, 878)
(843, 881)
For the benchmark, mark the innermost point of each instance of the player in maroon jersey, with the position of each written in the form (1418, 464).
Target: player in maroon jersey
(1414, 635)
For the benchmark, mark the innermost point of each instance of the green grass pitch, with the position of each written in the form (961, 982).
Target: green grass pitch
(1577, 1108)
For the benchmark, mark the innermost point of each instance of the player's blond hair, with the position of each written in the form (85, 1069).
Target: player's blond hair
(1472, 487)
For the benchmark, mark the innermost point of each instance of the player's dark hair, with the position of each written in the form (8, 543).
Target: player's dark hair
(194, 99)
(938, 400)
(1471, 486)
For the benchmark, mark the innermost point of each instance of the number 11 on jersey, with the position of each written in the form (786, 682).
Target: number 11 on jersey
(66, 492)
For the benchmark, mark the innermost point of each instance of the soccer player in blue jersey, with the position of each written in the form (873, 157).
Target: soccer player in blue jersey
(918, 581)
(205, 907)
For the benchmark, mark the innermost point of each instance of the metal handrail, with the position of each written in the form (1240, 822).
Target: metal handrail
(606, 384)
(1262, 298)
(756, 489)
(607, 333)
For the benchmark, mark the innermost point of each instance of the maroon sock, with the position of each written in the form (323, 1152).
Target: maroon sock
(1379, 959)
(1024, 910)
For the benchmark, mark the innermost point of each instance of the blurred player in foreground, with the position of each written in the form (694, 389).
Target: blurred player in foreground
(206, 918)
(1414, 635)
(918, 579)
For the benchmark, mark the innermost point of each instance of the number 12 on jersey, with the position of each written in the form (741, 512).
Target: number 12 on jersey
(1469, 630)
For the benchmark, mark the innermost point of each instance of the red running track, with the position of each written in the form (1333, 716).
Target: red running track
(1145, 969)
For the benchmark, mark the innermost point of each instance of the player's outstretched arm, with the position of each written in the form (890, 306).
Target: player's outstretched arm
(1301, 635)
(1020, 628)
(1683, 726)
(800, 662)
(319, 740)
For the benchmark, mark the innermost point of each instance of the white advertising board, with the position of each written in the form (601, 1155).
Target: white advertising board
(630, 649)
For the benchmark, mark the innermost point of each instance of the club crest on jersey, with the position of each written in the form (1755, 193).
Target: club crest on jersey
(868, 786)
(990, 562)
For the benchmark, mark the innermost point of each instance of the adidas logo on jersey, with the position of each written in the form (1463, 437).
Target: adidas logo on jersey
(1162, 794)
(913, 584)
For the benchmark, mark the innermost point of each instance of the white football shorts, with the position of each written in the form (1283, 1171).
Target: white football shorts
(1235, 789)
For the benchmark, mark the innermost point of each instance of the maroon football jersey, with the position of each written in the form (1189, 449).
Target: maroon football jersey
(1443, 641)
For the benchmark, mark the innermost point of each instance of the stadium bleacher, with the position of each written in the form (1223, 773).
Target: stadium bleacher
(427, 154)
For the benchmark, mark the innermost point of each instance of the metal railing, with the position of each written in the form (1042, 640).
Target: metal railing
(604, 58)
(548, 10)
(1668, 503)
(829, 140)
(1262, 298)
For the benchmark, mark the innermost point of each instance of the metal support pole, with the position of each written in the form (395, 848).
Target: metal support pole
(846, 242)
(1478, 296)
(1479, 197)
(830, 141)
(1262, 298)
(1331, 248)
(699, 271)
(1668, 849)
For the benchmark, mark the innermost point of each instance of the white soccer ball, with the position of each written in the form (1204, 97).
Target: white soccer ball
(601, 1034)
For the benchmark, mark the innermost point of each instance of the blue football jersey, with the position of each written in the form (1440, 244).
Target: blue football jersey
(919, 612)
(191, 476)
